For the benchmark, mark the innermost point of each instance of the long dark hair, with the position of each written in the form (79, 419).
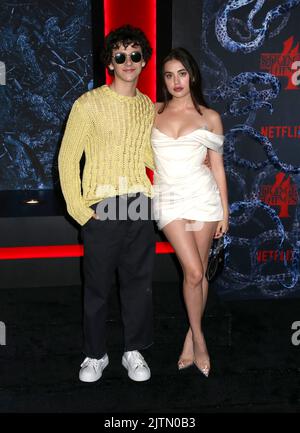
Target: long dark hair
(190, 64)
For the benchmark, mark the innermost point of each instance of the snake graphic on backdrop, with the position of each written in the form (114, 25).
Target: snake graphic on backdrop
(241, 95)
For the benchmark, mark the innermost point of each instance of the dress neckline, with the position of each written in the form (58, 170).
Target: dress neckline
(203, 128)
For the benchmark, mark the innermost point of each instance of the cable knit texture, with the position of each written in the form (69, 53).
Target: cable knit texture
(113, 131)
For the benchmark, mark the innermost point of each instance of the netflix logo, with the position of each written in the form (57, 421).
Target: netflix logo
(281, 131)
(283, 193)
(275, 256)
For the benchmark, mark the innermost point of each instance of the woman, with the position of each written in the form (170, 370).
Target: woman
(190, 203)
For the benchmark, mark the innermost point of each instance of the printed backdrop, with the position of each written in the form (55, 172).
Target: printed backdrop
(46, 49)
(250, 61)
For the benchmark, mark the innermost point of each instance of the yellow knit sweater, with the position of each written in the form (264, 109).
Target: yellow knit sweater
(113, 131)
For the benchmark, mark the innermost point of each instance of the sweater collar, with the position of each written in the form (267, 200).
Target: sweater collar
(121, 98)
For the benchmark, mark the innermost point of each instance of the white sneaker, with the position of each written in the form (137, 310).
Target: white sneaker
(91, 369)
(136, 366)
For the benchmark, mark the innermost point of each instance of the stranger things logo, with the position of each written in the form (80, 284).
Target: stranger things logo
(282, 194)
(284, 64)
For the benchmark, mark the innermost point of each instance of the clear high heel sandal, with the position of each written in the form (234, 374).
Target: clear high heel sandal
(184, 363)
(205, 368)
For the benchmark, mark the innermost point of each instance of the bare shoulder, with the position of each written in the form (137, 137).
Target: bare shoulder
(213, 119)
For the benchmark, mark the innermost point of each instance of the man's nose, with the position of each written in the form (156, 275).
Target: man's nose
(128, 60)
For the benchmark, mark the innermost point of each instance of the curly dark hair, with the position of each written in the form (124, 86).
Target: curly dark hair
(190, 64)
(125, 35)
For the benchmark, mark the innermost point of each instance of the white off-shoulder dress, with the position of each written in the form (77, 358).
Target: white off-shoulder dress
(184, 187)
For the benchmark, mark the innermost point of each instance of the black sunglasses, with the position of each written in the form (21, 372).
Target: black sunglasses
(120, 58)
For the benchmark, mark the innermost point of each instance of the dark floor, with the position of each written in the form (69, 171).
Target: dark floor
(255, 366)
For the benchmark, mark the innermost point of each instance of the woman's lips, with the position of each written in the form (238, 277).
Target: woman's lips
(178, 89)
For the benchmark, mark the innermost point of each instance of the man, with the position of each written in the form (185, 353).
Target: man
(111, 125)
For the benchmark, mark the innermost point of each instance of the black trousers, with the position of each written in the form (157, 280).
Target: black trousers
(129, 247)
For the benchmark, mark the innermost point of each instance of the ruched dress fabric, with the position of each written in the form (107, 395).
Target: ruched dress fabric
(184, 187)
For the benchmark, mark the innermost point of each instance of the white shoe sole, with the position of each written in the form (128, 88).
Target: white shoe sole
(132, 376)
(98, 375)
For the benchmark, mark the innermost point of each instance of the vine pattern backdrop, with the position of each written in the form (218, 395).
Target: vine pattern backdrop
(46, 46)
(250, 50)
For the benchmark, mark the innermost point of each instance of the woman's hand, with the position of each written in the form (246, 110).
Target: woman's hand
(222, 228)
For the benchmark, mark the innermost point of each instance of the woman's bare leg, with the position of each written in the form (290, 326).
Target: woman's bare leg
(195, 296)
(204, 244)
(204, 240)
(186, 249)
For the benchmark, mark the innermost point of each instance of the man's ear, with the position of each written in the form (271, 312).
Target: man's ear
(143, 64)
(110, 66)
